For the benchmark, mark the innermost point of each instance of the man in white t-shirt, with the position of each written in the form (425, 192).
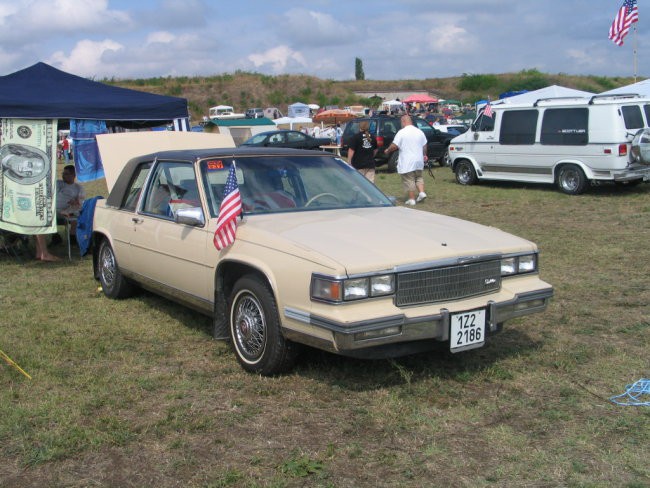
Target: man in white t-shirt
(412, 145)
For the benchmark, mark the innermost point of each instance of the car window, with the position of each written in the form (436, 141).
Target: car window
(390, 127)
(172, 186)
(132, 196)
(484, 123)
(296, 137)
(424, 126)
(277, 138)
(290, 184)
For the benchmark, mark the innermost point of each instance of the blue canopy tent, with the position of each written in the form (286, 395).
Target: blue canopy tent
(86, 107)
(44, 92)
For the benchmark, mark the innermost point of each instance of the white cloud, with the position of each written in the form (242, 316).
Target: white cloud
(309, 28)
(162, 37)
(85, 59)
(277, 58)
(450, 39)
(39, 18)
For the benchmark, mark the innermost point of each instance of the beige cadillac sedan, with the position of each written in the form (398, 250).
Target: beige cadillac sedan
(321, 257)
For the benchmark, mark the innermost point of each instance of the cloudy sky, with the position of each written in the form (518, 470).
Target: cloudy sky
(395, 39)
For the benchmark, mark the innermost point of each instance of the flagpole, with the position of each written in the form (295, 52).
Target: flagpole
(635, 65)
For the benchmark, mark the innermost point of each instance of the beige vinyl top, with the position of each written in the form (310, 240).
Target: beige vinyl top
(117, 149)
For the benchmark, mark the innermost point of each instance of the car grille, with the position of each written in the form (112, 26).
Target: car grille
(448, 283)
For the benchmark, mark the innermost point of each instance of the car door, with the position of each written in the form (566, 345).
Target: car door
(168, 255)
(436, 140)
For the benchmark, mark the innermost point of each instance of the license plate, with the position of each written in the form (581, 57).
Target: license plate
(467, 330)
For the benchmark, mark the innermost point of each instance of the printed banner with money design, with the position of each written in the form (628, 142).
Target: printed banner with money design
(28, 175)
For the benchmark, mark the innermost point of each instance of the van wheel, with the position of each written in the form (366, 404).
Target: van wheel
(465, 174)
(571, 180)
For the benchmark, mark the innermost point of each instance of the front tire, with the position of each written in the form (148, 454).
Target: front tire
(114, 284)
(571, 179)
(255, 329)
(465, 173)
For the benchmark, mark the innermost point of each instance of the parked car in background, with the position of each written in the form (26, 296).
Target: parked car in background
(224, 112)
(287, 138)
(453, 129)
(384, 128)
(311, 264)
(254, 113)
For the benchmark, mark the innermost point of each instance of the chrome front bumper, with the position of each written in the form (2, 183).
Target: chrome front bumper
(399, 328)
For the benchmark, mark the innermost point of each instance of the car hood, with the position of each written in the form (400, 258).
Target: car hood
(368, 239)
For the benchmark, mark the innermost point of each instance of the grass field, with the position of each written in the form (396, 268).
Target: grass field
(136, 393)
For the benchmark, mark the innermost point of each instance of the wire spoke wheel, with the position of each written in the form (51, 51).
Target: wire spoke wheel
(255, 328)
(249, 326)
(107, 266)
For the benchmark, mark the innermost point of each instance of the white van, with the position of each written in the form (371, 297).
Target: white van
(568, 141)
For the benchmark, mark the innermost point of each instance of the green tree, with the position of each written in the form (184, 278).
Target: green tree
(358, 69)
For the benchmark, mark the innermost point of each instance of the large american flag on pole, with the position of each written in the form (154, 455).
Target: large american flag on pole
(230, 208)
(627, 15)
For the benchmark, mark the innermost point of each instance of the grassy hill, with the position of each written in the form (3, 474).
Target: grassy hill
(245, 89)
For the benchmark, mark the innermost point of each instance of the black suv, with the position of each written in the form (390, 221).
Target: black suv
(384, 128)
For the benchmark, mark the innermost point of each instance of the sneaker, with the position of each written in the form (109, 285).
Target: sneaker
(421, 196)
(409, 202)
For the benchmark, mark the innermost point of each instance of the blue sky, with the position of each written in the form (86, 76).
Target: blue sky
(395, 39)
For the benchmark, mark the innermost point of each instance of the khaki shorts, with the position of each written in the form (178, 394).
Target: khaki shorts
(411, 179)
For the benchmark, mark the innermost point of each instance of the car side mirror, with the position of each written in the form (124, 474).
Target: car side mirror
(190, 216)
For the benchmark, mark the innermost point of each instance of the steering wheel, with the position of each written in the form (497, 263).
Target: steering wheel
(321, 195)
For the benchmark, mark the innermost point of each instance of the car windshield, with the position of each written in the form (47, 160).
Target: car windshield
(273, 184)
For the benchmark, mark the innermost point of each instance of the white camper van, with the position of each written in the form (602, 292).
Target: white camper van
(571, 142)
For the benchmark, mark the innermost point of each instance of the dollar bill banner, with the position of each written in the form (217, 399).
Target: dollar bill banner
(28, 176)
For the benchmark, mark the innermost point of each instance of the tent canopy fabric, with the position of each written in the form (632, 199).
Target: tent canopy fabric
(547, 92)
(44, 92)
(298, 109)
(641, 88)
(420, 98)
(333, 116)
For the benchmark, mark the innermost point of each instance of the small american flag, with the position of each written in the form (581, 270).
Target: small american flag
(487, 111)
(230, 208)
(627, 15)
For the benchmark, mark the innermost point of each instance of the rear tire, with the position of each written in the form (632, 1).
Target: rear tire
(255, 329)
(465, 173)
(114, 284)
(571, 179)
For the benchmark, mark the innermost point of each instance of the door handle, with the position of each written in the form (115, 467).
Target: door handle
(137, 220)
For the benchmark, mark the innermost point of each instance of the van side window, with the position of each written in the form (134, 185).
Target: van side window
(484, 124)
(646, 111)
(565, 127)
(632, 117)
(518, 127)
